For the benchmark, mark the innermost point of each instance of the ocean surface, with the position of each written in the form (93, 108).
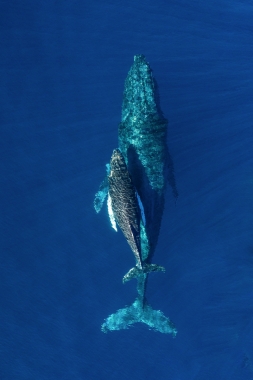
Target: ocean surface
(62, 66)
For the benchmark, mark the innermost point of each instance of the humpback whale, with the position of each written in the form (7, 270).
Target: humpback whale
(123, 202)
(143, 142)
(125, 209)
(135, 186)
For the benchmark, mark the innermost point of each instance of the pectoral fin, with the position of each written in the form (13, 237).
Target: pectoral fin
(101, 195)
(102, 192)
(141, 209)
(110, 213)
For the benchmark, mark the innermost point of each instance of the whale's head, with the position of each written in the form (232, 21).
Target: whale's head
(117, 163)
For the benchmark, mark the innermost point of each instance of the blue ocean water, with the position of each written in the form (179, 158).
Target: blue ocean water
(63, 66)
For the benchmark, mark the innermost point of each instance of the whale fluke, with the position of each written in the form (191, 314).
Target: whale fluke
(140, 311)
(126, 317)
(146, 268)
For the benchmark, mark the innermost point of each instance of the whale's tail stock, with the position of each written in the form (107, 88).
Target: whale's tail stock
(139, 311)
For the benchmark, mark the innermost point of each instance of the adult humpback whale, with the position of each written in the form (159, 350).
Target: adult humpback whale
(142, 144)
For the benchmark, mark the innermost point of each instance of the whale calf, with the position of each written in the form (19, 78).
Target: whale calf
(123, 201)
(126, 210)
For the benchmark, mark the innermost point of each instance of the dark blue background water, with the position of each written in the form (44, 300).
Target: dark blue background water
(63, 66)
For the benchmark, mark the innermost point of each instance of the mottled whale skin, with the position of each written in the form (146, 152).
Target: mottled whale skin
(143, 143)
(124, 203)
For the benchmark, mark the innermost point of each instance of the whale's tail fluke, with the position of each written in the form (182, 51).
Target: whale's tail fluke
(138, 312)
(135, 272)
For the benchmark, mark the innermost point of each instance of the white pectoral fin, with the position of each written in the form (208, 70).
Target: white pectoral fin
(141, 208)
(110, 213)
(102, 192)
